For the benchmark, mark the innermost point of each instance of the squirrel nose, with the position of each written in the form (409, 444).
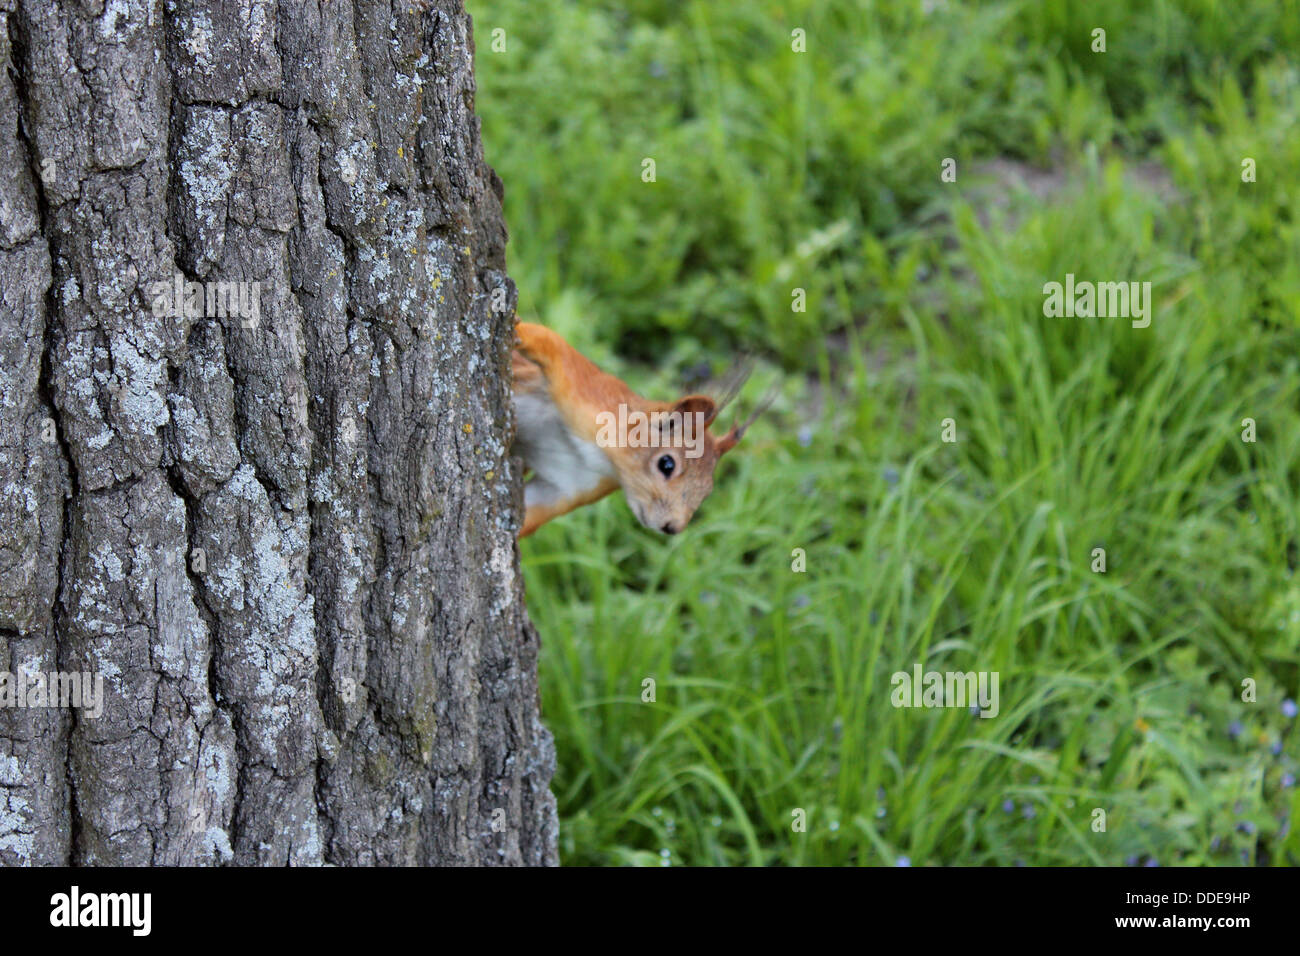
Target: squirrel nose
(669, 528)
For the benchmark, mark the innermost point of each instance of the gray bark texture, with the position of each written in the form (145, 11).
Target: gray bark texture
(287, 542)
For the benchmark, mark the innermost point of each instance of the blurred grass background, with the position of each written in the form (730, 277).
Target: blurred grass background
(820, 171)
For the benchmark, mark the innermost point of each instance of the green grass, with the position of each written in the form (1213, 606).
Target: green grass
(777, 170)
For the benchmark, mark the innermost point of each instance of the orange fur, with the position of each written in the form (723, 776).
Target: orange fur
(559, 396)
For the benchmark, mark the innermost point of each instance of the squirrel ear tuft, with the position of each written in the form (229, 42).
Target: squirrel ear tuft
(737, 432)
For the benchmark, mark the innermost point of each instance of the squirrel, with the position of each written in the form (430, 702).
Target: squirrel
(571, 430)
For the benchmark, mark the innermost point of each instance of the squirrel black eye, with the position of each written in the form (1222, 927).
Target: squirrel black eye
(666, 465)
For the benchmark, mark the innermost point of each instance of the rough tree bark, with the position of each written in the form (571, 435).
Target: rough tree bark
(287, 544)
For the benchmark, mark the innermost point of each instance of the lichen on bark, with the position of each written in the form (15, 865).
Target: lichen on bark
(285, 540)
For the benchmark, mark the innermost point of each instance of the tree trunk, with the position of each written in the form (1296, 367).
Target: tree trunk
(283, 535)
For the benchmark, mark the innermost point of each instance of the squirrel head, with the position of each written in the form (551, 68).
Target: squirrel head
(666, 477)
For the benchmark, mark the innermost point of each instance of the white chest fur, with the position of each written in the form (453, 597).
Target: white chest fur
(564, 465)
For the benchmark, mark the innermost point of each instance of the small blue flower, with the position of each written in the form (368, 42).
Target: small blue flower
(1029, 811)
(1287, 781)
(1276, 748)
(890, 474)
(904, 861)
(1289, 709)
(1131, 860)
(805, 436)
(1151, 861)
(1008, 806)
(802, 600)
(1246, 827)
(1235, 729)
